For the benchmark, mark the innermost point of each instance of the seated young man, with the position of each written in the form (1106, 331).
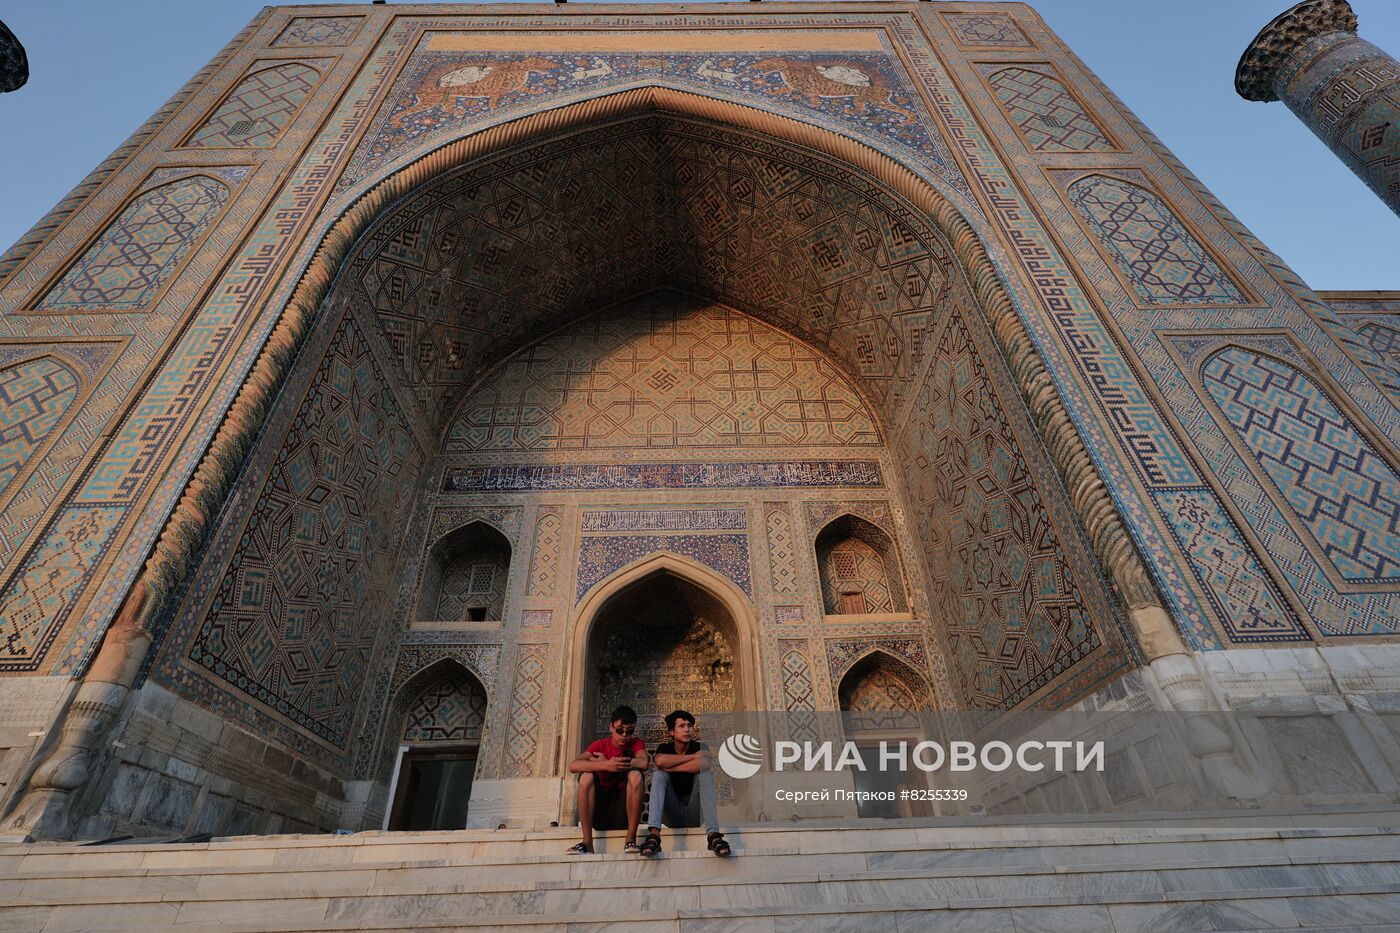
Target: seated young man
(610, 782)
(683, 788)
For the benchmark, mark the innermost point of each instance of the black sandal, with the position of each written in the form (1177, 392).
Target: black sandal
(651, 844)
(579, 848)
(718, 846)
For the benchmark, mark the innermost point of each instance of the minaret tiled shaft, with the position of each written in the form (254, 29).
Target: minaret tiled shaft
(1343, 87)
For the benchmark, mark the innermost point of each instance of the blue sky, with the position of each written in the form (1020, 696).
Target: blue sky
(100, 68)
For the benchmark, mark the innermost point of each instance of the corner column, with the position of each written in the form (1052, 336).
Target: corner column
(1344, 88)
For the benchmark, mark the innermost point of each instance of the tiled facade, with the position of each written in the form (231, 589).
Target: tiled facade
(386, 271)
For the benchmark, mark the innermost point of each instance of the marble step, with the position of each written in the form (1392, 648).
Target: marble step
(641, 889)
(1362, 908)
(175, 870)
(883, 848)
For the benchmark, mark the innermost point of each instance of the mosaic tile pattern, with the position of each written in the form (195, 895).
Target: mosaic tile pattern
(842, 654)
(134, 256)
(34, 396)
(442, 91)
(789, 615)
(855, 579)
(1382, 338)
(452, 709)
(536, 618)
(1015, 614)
(525, 727)
(726, 554)
(505, 519)
(571, 477)
(305, 31)
(782, 549)
(880, 694)
(544, 569)
(258, 110)
(1050, 118)
(1234, 579)
(795, 243)
(1344, 491)
(664, 375)
(1160, 258)
(799, 697)
(49, 581)
(987, 30)
(294, 623)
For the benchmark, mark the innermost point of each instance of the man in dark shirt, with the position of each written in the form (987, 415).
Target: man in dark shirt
(683, 788)
(610, 782)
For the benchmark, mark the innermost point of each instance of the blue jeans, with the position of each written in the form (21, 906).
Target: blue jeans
(701, 807)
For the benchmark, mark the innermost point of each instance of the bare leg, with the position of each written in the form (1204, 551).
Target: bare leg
(587, 794)
(634, 803)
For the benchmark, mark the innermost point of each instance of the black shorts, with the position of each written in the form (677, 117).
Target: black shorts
(610, 808)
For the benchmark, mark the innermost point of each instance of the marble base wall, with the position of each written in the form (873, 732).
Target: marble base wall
(178, 769)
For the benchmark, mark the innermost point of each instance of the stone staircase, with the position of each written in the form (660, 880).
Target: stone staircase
(1269, 871)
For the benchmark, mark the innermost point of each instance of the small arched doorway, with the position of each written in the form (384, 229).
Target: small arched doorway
(442, 715)
(883, 699)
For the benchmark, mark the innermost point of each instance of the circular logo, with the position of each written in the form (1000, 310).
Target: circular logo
(740, 756)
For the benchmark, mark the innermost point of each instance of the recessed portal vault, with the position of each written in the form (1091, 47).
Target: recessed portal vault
(662, 643)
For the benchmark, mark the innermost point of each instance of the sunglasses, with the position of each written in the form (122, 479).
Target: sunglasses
(625, 730)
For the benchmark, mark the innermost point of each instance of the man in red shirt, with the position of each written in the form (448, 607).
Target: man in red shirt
(610, 782)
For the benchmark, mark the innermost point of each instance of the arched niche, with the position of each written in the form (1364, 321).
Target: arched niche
(677, 618)
(882, 694)
(859, 569)
(438, 723)
(465, 576)
(884, 700)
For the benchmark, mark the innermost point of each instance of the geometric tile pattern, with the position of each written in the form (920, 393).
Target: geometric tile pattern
(782, 553)
(797, 680)
(1382, 339)
(490, 260)
(525, 728)
(1244, 596)
(473, 581)
(1015, 614)
(259, 109)
(877, 688)
(1048, 115)
(843, 654)
(854, 578)
(880, 693)
(545, 571)
(317, 30)
(986, 29)
(299, 610)
(664, 374)
(726, 554)
(131, 259)
(48, 582)
(1341, 488)
(1158, 256)
(451, 709)
(799, 697)
(33, 397)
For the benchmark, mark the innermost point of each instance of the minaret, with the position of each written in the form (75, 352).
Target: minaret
(1343, 87)
(14, 64)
